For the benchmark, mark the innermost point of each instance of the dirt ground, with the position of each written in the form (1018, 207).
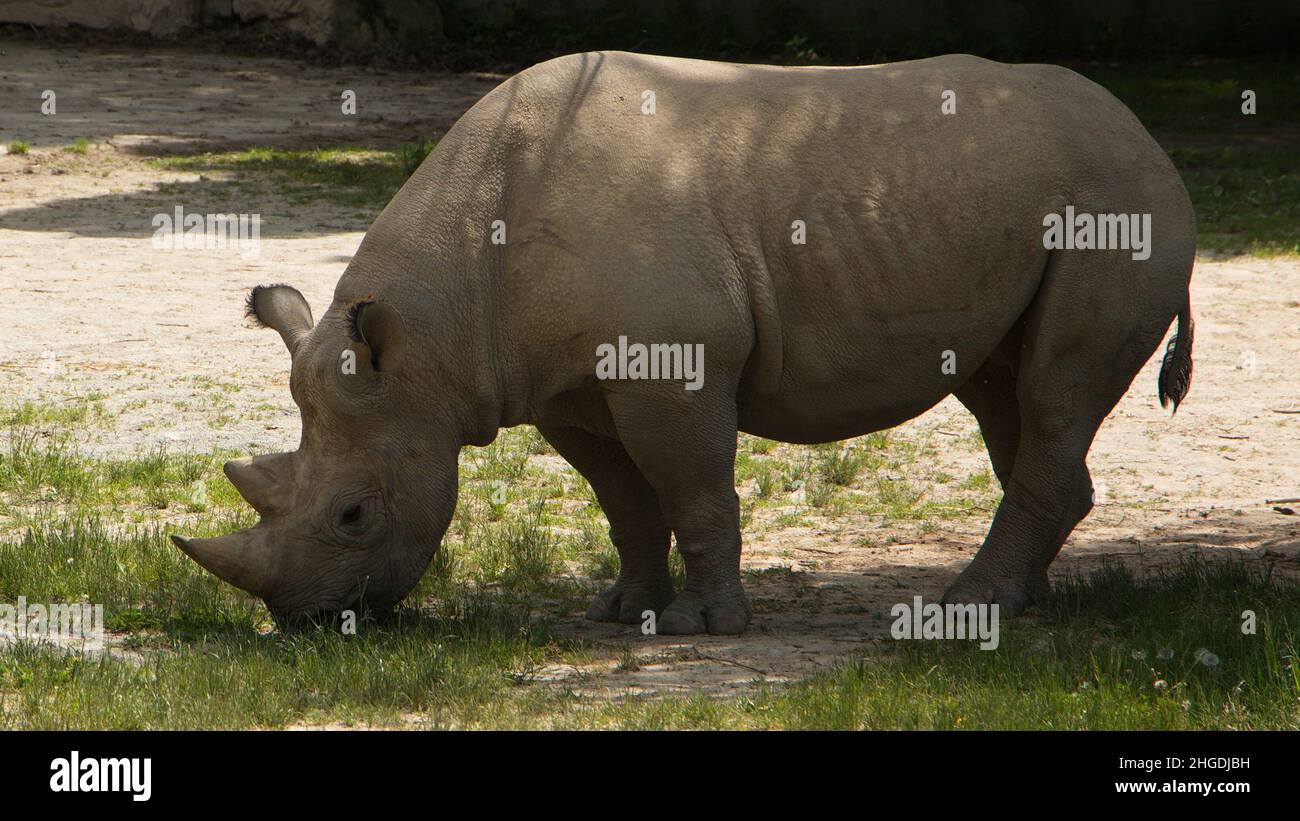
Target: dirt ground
(93, 308)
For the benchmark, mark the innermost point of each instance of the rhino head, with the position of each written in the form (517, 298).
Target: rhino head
(353, 516)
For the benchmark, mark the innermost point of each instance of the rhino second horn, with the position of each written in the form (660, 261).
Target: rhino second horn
(260, 479)
(239, 558)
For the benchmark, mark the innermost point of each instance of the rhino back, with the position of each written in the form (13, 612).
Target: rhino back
(675, 223)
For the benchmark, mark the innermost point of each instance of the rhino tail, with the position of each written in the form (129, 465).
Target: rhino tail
(1176, 370)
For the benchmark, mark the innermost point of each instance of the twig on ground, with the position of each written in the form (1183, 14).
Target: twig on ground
(704, 657)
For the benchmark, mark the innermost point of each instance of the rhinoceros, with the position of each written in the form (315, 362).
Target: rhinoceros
(849, 246)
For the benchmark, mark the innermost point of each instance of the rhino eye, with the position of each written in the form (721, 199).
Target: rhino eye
(351, 515)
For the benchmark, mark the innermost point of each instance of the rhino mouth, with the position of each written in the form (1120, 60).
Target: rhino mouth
(330, 614)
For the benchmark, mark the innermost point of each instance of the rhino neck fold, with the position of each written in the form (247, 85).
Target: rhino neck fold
(432, 250)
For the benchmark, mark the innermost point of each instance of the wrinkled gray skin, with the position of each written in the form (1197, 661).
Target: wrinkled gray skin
(924, 235)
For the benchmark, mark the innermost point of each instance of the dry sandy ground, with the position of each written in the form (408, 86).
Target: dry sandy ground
(92, 307)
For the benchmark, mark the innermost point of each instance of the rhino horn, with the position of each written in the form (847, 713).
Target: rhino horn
(261, 480)
(242, 558)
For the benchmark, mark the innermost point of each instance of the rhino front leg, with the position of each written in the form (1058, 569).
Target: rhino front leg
(687, 451)
(707, 525)
(636, 525)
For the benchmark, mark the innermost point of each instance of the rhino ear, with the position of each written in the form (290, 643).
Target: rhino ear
(378, 327)
(282, 308)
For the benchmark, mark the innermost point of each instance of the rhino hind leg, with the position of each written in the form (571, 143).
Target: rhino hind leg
(636, 525)
(1080, 356)
(688, 456)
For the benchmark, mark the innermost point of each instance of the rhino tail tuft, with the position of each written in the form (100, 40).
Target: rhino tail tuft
(1176, 370)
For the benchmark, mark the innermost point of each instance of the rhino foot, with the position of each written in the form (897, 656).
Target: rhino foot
(695, 613)
(625, 603)
(1013, 593)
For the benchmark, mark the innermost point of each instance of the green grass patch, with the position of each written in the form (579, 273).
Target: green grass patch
(42, 469)
(60, 414)
(456, 668)
(1204, 99)
(348, 176)
(133, 570)
(528, 545)
(1247, 199)
(1110, 652)
(1242, 171)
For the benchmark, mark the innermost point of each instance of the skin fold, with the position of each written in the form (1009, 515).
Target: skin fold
(676, 224)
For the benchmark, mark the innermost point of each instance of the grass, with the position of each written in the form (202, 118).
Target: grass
(1242, 171)
(347, 176)
(1203, 99)
(76, 410)
(453, 668)
(1110, 652)
(1247, 199)
(471, 647)
(19, 147)
(39, 469)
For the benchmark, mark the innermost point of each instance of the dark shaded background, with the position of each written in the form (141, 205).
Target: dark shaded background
(856, 31)
(507, 35)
